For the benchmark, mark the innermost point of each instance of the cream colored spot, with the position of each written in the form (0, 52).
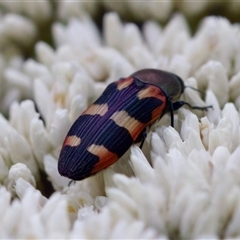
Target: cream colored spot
(122, 119)
(72, 141)
(98, 150)
(124, 83)
(100, 109)
(147, 92)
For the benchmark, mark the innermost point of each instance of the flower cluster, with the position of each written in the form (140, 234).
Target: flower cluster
(183, 184)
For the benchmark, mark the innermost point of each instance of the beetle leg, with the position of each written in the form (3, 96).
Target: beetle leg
(144, 135)
(171, 112)
(177, 105)
(141, 137)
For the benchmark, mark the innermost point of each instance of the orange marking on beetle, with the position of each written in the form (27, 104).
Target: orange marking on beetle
(122, 119)
(106, 158)
(94, 109)
(157, 113)
(151, 91)
(124, 83)
(72, 141)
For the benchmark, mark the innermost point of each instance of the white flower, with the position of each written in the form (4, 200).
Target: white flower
(17, 171)
(50, 166)
(38, 11)
(171, 44)
(73, 35)
(233, 88)
(17, 28)
(182, 184)
(33, 215)
(142, 11)
(212, 76)
(68, 9)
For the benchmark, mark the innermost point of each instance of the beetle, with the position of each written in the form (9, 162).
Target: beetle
(117, 119)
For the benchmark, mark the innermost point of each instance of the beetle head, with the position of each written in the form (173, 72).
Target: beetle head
(171, 84)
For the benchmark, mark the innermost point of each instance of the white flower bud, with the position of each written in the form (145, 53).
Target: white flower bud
(19, 29)
(18, 171)
(213, 76)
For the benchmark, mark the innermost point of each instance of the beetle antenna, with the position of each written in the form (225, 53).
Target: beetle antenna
(179, 104)
(142, 142)
(196, 89)
(205, 108)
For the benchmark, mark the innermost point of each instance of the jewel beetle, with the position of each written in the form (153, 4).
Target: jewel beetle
(117, 119)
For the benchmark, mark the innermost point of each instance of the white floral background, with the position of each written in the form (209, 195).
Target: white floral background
(57, 57)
